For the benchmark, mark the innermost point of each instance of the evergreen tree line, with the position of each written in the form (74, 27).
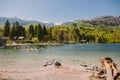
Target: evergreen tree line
(62, 33)
(15, 32)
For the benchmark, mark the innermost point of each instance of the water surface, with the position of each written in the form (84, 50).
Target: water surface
(71, 54)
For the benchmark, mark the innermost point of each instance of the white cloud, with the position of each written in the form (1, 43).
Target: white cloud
(58, 23)
(23, 18)
(45, 21)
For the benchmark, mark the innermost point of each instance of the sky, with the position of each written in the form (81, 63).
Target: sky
(59, 11)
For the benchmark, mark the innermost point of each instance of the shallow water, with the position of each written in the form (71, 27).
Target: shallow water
(70, 54)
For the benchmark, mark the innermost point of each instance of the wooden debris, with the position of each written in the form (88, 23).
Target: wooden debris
(83, 65)
(49, 62)
(109, 70)
(56, 63)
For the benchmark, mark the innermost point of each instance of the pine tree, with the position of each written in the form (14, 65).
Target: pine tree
(45, 37)
(31, 31)
(7, 28)
(17, 31)
(44, 31)
(13, 31)
(39, 32)
(23, 32)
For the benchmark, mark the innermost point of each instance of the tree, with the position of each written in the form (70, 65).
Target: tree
(70, 36)
(50, 33)
(23, 31)
(60, 36)
(77, 32)
(1, 32)
(7, 28)
(44, 32)
(31, 31)
(65, 35)
(55, 31)
(39, 32)
(15, 30)
(35, 30)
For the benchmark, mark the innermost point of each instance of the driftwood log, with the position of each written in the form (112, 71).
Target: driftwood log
(49, 62)
(108, 67)
(56, 63)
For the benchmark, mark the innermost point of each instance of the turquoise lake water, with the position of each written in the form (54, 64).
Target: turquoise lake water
(71, 54)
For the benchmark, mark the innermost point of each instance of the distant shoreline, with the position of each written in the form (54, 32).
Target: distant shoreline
(30, 44)
(50, 44)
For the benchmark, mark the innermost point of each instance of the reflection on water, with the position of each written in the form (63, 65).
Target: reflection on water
(27, 57)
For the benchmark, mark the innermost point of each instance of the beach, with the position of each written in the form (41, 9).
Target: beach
(65, 72)
(24, 64)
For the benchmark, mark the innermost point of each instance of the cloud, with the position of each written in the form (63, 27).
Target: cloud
(45, 21)
(58, 23)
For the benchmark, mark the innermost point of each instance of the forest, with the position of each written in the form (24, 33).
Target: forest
(65, 33)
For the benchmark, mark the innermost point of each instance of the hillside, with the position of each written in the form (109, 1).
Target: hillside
(98, 30)
(102, 21)
(22, 21)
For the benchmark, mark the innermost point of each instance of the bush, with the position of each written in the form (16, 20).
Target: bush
(35, 39)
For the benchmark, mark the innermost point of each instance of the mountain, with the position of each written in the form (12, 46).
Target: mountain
(22, 21)
(107, 20)
(102, 21)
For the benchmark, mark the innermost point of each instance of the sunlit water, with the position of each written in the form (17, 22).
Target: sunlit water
(70, 54)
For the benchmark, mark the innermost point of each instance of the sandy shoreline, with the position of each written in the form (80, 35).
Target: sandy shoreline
(48, 73)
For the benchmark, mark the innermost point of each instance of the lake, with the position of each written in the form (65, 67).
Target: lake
(70, 54)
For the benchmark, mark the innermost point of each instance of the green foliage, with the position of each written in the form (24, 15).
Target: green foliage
(31, 31)
(73, 33)
(39, 32)
(44, 33)
(6, 28)
(17, 31)
(35, 39)
(1, 32)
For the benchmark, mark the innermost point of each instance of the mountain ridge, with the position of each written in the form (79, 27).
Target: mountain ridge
(98, 21)
(23, 22)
